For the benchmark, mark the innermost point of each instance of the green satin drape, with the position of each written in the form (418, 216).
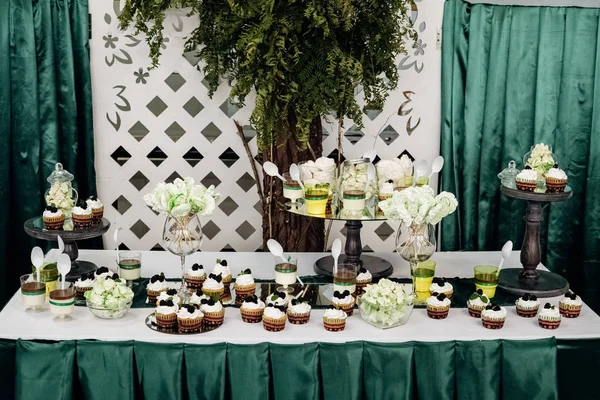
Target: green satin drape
(512, 77)
(45, 116)
(498, 369)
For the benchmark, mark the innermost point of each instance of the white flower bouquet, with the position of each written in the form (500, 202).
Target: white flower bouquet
(541, 159)
(60, 196)
(385, 304)
(418, 205)
(182, 198)
(109, 298)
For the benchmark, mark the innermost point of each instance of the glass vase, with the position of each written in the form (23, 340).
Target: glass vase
(182, 236)
(416, 243)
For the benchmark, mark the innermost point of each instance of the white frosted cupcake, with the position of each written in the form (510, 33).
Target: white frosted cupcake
(97, 208)
(189, 319)
(344, 300)
(84, 283)
(157, 284)
(298, 312)
(440, 285)
(438, 306)
(477, 302)
(252, 309)
(493, 317)
(214, 313)
(274, 318)
(570, 305)
(244, 285)
(54, 218)
(363, 279)
(556, 180)
(170, 294)
(222, 268)
(526, 180)
(195, 276)
(213, 286)
(196, 298)
(527, 306)
(549, 317)
(166, 314)
(82, 217)
(334, 319)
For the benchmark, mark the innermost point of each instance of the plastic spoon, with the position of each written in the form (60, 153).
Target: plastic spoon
(436, 166)
(336, 250)
(420, 169)
(370, 154)
(272, 170)
(116, 239)
(37, 260)
(506, 250)
(64, 267)
(276, 249)
(53, 254)
(370, 175)
(295, 174)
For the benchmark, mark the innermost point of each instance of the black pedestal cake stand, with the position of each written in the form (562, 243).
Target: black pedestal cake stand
(378, 267)
(527, 279)
(34, 227)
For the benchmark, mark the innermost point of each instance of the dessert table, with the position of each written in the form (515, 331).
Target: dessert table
(123, 359)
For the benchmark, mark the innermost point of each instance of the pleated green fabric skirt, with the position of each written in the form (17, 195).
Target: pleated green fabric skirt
(496, 369)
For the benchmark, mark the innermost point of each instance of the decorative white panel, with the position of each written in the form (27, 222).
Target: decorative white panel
(155, 125)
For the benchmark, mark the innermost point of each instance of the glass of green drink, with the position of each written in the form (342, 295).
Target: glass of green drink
(423, 277)
(486, 279)
(316, 196)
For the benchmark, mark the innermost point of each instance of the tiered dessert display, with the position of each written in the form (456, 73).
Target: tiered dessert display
(541, 182)
(71, 223)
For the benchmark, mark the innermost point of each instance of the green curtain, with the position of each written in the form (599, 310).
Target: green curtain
(513, 77)
(45, 116)
(496, 369)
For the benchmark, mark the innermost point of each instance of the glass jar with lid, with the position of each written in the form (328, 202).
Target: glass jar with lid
(355, 186)
(61, 194)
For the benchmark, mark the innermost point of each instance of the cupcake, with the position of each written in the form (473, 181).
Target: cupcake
(166, 314)
(440, 285)
(196, 299)
(189, 319)
(278, 299)
(334, 319)
(298, 312)
(97, 208)
(195, 276)
(213, 286)
(102, 273)
(343, 300)
(363, 279)
(556, 180)
(526, 180)
(170, 294)
(549, 317)
(438, 306)
(214, 313)
(54, 218)
(222, 268)
(82, 217)
(84, 283)
(274, 318)
(244, 285)
(477, 303)
(386, 190)
(527, 306)
(252, 309)
(493, 317)
(570, 305)
(157, 284)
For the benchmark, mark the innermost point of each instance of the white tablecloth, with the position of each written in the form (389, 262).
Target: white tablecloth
(16, 323)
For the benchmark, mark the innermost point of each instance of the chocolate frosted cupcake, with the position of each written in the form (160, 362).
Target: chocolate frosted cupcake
(334, 319)
(156, 286)
(54, 219)
(298, 312)
(549, 317)
(166, 314)
(189, 319)
(570, 305)
(195, 276)
(252, 309)
(344, 300)
(438, 306)
(214, 313)
(493, 317)
(274, 318)
(477, 303)
(527, 306)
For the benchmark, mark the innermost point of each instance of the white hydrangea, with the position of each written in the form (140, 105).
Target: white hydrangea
(385, 303)
(110, 294)
(182, 197)
(60, 196)
(541, 159)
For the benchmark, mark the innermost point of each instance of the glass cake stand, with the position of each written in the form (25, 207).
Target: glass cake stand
(527, 279)
(378, 267)
(34, 227)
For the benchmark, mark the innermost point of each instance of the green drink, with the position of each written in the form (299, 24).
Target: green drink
(422, 278)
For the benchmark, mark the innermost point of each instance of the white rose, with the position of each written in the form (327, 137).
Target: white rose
(111, 302)
(181, 210)
(96, 299)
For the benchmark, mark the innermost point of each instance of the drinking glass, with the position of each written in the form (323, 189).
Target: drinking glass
(344, 278)
(286, 273)
(62, 301)
(423, 276)
(316, 196)
(486, 279)
(291, 189)
(130, 266)
(33, 293)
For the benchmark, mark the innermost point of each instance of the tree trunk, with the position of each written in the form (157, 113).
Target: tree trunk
(294, 232)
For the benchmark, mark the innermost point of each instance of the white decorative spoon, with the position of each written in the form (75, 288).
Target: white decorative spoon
(272, 170)
(64, 267)
(370, 154)
(506, 250)
(295, 174)
(436, 166)
(37, 260)
(336, 250)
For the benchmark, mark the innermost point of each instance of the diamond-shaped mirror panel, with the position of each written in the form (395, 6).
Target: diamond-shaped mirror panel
(120, 155)
(405, 152)
(124, 247)
(175, 131)
(249, 132)
(376, 159)
(211, 132)
(156, 106)
(229, 108)
(172, 177)
(384, 231)
(211, 179)
(192, 57)
(193, 156)
(121, 204)
(372, 114)
(138, 131)
(258, 207)
(157, 156)
(157, 247)
(245, 230)
(193, 106)
(228, 249)
(334, 156)
(139, 180)
(246, 182)
(139, 229)
(210, 230)
(388, 135)
(229, 157)
(354, 134)
(367, 249)
(175, 81)
(228, 206)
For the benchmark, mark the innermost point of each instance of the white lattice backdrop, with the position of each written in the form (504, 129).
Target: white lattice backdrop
(156, 125)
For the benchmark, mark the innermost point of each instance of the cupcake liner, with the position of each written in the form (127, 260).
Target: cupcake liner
(347, 308)
(334, 324)
(245, 290)
(569, 310)
(194, 282)
(227, 280)
(82, 221)
(527, 312)
(360, 287)
(492, 323)
(213, 320)
(437, 312)
(526, 186)
(555, 185)
(54, 223)
(549, 322)
(215, 293)
(188, 325)
(274, 324)
(81, 290)
(298, 319)
(475, 311)
(97, 214)
(153, 294)
(166, 320)
(226, 296)
(252, 316)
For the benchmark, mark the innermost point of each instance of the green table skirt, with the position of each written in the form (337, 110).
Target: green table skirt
(500, 369)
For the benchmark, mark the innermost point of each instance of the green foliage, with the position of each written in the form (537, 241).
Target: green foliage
(302, 58)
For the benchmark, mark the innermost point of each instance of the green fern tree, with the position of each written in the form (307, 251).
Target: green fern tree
(304, 60)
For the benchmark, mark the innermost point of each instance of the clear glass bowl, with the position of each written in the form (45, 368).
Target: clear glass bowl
(372, 318)
(105, 313)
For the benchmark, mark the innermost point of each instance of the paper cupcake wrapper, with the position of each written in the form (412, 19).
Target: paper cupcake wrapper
(274, 324)
(437, 312)
(81, 290)
(527, 312)
(252, 316)
(438, 308)
(555, 181)
(188, 324)
(549, 324)
(226, 279)
(245, 289)
(347, 308)
(298, 319)
(334, 324)
(475, 312)
(213, 293)
(570, 307)
(82, 217)
(54, 220)
(194, 282)
(167, 320)
(526, 186)
(492, 323)
(569, 311)
(213, 318)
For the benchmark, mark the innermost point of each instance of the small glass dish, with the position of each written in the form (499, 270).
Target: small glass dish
(375, 317)
(108, 313)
